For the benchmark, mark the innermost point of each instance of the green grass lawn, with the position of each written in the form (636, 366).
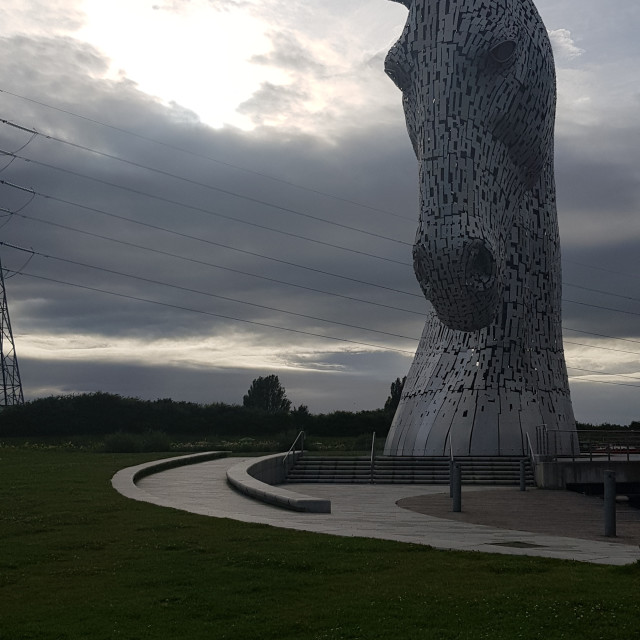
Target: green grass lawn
(77, 560)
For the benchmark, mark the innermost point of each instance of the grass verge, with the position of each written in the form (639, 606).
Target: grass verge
(77, 560)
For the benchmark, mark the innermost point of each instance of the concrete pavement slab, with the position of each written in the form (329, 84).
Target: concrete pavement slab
(360, 511)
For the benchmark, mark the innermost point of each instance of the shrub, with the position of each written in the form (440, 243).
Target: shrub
(125, 442)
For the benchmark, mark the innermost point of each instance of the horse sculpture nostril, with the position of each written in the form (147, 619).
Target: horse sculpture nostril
(480, 266)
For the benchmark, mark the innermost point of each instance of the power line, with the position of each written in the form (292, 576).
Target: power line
(275, 280)
(203, 293)
(192, 182)
(96, 289)
(202, 156)
(205, 240)
(32, 191)
(261, 277)
(209, 212)
(264, 227)
(34, 132)
(596, 306)
(615, 384)
(598, 268)
(269, 204)
(180, 234)
(605, 373)
(253, 275)
(215, 266)
(215, 315)
(605, 293)
(593, 346)
(601, 335)
(272, 326)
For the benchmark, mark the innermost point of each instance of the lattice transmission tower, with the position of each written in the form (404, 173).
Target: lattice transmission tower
(11, 392)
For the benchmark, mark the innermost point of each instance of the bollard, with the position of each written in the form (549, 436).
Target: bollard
(451, 465)
(456, 487)
(523, 476)
(610, 504)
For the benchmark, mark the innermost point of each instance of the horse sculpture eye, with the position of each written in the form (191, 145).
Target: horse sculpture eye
(397, 74)
(395, 68)
(504, 51)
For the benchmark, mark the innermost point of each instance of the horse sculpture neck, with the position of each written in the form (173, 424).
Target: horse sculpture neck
(489, 369)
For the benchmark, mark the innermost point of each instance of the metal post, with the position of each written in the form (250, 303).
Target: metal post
(610, 504)
(456, 486)
(451, 465)
(523, 476)
(372, 460)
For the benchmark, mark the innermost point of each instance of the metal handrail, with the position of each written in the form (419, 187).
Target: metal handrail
(542, 439)
(451, 464)
(601, 442)
(373, 454)
(300, 436)
(532, 454)
(588, 443)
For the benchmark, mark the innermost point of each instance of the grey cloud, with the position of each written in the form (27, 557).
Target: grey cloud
(372, 164)
(43, 15)
(177, 6)
(563, 44)
(289, 54)
(272, 101)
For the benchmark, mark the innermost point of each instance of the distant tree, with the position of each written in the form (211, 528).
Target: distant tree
(301, 410)
(267, 394)
(394, 399)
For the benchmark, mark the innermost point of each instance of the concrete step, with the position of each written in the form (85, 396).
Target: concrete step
(407, 470)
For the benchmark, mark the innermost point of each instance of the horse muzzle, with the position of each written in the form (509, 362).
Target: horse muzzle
(462, 281)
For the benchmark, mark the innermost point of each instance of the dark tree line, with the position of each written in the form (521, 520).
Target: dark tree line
(394, 397)
(102, 413)
(267, 394)
(99, 414)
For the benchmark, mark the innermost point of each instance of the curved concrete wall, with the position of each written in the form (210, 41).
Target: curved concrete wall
(257, 477)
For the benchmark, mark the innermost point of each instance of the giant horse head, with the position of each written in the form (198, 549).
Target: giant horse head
(478, 85)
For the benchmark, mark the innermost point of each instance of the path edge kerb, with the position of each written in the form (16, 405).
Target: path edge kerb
(251, 477)
(124, 481)
(257, 478)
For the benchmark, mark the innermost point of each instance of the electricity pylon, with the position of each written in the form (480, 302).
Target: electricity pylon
(11, 392)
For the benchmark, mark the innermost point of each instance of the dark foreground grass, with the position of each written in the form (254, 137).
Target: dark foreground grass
(77, 560)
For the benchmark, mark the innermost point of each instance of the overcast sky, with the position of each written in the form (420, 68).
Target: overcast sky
(224, 189)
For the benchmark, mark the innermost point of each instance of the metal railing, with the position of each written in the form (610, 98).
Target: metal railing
(587, 443)
(292, 449)
(542, 440)
(596, 443)
(532, 455)
(373, 455)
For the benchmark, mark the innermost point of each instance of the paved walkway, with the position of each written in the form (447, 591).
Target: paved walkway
(371, 511)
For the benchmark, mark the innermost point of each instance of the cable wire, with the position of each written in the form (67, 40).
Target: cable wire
(203, 293)
(214, 265)
(215, 315)
(207, 241)
(209, 212)
(202, 156)
(192, 182)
